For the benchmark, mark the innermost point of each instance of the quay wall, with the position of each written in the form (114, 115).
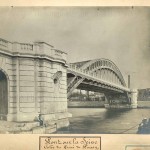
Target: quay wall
(100, 104)
(86, 104)
(143, 104)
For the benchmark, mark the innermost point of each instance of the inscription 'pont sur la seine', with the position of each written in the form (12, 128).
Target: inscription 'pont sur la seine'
(70, 143)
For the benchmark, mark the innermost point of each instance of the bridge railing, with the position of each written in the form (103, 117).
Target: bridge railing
(37, 48)
(95, 77)
(6, 45)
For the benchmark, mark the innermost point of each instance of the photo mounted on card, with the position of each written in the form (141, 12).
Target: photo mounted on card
(138, 147)
(74, 70)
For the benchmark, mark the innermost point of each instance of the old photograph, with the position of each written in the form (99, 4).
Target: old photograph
(75, 70)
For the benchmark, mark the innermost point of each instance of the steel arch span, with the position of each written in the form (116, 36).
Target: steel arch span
(98, 75)
(102, 68)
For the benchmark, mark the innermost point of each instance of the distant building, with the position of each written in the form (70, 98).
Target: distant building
(144, 94)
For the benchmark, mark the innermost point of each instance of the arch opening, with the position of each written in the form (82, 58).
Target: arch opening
(3, 96)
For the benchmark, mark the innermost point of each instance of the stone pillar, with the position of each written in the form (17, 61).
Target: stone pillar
(134, 95)
(107, 102)
(87, 92)
(80, 97)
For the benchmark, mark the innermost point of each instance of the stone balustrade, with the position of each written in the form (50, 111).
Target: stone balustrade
(26, 46)
(37, 48)
(3, 43)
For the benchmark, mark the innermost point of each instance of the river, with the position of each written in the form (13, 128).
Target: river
(103, 121)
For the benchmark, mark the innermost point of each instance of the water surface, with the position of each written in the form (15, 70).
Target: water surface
(103, 121)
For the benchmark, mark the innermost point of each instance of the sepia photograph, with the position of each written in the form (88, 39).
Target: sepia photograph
(75, 70)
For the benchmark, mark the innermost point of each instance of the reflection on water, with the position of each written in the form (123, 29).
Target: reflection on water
(102, 121)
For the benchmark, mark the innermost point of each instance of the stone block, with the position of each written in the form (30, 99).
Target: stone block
(26, 115)
(38, 130)
(45, 79)
(50, 129)
(62, 123)
(12, 99)
(27, 105)
(27, 73)
(26, 78)
(26, 62)
(27, 110)
(12, 110)
(26, 99)
(27, 89)
(27, 83)
(24, 67)
(27, 94)
(13, 88)
(13, 105)
(12, 77)
(44, 89)
(12, 94)
(12, 83)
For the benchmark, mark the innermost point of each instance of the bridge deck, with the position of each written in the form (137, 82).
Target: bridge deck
(86, 75)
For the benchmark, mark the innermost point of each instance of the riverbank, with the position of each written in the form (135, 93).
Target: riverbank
(143, 104)
(86, 104)
(100, 104)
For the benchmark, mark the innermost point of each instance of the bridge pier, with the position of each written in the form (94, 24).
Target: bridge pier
(134, 95)
(122, 100)
(33, 83)
(88, 95)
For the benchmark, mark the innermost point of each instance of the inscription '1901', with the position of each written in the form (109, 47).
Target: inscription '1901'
(70, 143)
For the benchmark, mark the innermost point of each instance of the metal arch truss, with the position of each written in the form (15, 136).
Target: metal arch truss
(73, 83)
(95, 75)
(103, 67)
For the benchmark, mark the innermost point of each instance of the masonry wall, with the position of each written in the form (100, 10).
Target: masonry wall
(32, 71)
(27, 83)
(38, 94)
(52, 97)
(31, 88)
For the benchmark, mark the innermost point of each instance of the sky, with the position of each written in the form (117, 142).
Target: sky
(121, 34)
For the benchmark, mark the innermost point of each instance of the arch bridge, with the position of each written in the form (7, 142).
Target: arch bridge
(99, 75)
(33, 83)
